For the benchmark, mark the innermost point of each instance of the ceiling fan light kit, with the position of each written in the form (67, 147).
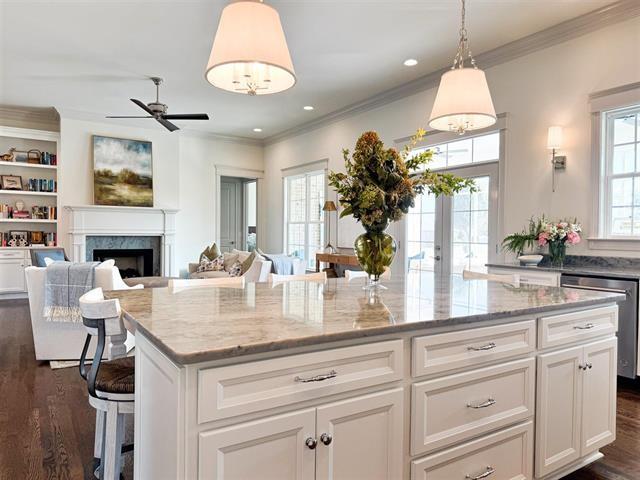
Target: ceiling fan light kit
(250, 53)
(463, 101)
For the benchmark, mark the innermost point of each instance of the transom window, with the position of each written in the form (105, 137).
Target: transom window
(621, 172)
(304, 219)
(483, 148)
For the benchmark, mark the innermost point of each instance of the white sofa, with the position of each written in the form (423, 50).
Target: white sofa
(64, 340)
(258, 272)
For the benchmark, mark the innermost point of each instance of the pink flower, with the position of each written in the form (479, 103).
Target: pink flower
(573, 238)
(543, 238)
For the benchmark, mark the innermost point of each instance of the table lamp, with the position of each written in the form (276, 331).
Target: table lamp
(329, 206)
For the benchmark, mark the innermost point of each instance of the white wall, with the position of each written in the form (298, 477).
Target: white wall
(199, 157)
(548, 87)
(183, 176)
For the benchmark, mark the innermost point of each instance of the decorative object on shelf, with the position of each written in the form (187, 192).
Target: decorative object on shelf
(9, 156)
(554, 142)
(530, 260)
(526, 239)
(11, 182)
(379, 187)
(463, 101)
(18, 238)
(19, 205)
(557, 235)
(37, 238)
(329, 206)
(158, 111)
(122, 174)
(250, 53)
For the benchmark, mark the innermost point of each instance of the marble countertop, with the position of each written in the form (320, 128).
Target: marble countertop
(208, 323)
(604, 271)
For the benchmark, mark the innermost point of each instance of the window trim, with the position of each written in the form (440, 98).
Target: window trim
(615, 99)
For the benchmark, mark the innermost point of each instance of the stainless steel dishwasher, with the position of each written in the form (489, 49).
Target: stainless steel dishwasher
(627, 314)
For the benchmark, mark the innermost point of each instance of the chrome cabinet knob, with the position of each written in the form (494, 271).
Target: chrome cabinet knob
(326, 438)
(311, 443)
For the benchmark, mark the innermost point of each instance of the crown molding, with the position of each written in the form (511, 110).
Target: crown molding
(36, 118)
(614, 91)
(608, 15)
(99, 118)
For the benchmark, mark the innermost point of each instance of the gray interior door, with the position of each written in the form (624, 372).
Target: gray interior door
(230, 214)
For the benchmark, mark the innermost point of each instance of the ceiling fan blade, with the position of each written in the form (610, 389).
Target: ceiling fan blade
(142, 106)
(168, 125)
(186, 116)
(124, 116)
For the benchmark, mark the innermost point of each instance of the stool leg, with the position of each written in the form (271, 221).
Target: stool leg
(114, 432)
(97, 443)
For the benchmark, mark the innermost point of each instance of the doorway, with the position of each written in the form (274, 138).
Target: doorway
(238, 214)
(447, 235)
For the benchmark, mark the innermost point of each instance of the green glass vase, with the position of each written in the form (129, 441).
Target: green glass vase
(375, 250)
(557, 253)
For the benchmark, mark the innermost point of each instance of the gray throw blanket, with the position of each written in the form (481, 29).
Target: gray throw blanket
(65, 283)
(281, 264)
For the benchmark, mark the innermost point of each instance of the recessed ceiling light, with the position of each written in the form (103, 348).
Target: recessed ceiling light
(410, 62)
(308, 107)
(257, 130)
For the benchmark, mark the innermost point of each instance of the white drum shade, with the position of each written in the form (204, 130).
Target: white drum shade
(463, 102)
(250, 53)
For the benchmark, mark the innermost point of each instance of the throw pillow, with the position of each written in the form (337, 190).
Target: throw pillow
(210, 253)
(236, 269)
(246, 264)
(229, 259)
(55, 255)
(215, 265)
(242, 254)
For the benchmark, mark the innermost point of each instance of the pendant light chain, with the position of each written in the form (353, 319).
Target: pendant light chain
(463, 43)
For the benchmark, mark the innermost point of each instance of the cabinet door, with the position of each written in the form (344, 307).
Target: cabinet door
(12, 275)
(599, 395)
(269, 449)
(364, 438)
(558, 409)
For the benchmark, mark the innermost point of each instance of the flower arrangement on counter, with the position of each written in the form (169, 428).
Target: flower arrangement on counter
(379, 186)
(542, 233)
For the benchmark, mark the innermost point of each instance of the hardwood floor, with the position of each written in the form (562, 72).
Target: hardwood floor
(46, 423)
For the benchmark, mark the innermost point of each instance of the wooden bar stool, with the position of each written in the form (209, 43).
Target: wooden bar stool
(110, 383)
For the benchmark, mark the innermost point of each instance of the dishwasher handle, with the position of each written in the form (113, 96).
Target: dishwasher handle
(597, 289)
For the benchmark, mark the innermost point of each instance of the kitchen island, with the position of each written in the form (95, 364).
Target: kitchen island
(307, 380)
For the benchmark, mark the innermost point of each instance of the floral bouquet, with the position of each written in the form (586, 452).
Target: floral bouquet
(557, 236)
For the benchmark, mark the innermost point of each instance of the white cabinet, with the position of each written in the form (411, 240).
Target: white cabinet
(364, 437)
(575, 412)
(12, 278)
(359, 438)
(270, 449)
(529, 276)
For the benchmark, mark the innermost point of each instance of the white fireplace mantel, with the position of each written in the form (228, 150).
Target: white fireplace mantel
(89, 220)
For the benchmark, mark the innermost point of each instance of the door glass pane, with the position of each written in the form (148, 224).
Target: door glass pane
(421, 224)
(486, 148)
(413, 227)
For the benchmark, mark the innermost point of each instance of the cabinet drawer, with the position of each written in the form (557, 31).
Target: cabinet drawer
(11, 254)
(504, 455)
(549, 279)
(577, 326)
(250, 387)
(471, 348)
(458, 407)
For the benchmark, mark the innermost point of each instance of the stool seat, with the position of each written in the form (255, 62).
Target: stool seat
(117, 376)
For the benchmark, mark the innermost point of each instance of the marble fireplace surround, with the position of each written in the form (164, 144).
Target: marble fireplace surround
(109, 221)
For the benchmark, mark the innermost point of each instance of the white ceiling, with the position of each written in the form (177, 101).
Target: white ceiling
(92, 56)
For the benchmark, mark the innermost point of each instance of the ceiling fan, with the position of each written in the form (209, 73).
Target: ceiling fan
(158, 111)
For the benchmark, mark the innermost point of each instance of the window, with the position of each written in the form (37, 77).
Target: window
(483, 148)
(621, 173)
(304, 219)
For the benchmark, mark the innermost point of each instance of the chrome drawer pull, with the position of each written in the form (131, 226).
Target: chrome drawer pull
(316, 378)
(311, 443)
(489, 471)
(585, 366)
(488, 346)
(490, 401)
(587, 326)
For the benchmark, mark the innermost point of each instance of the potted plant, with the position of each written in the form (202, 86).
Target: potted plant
(379, 186)
(519, 242)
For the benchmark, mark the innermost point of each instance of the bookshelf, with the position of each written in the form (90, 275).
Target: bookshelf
(42, 178)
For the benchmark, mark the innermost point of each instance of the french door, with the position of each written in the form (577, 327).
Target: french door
(447, 235)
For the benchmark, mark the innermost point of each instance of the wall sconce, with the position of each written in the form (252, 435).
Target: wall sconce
(554, 142)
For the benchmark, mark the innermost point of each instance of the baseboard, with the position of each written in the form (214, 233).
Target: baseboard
(13, 296)
(583, 462)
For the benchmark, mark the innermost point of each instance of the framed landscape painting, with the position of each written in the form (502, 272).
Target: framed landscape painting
(122, 172)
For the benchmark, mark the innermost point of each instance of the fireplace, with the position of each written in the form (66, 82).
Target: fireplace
(131, 262)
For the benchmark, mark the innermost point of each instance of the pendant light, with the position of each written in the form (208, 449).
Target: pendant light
(250, 53)
(463, 101)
